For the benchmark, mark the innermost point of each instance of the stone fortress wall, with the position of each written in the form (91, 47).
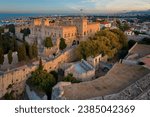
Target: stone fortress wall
(16, 76)
(140, 90)
(39, 30)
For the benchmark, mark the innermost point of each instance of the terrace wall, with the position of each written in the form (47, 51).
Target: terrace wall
(19, 75)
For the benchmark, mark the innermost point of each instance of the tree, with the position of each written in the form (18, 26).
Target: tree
(62, 44)
(122, 26)
(25, 31)
(131, 43)
(1, 30)
(114, 41)
(10, 58)
(53, 21)
(15, 43)
(1, 40)
(40, 65)
(70, 78)
(55, 75)
(126, 26)
(28, 50)
(81, 51)
(9, 96)
(48, 42)
(122, 37)
(104, 42)
(11, 28)
(42, 80)
(34, 50)
(21, 53)
(8, 42)
(1, 56)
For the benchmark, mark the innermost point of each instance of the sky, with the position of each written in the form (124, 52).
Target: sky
(72, 6)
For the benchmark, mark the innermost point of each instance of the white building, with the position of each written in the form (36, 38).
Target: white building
(82, 71)
(129, 32)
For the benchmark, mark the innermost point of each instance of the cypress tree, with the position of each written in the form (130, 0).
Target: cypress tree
(22, 53)
(10, 58)
(62, 44)
(1, 56)
(48, 42)
(35, 50)
(40, 64)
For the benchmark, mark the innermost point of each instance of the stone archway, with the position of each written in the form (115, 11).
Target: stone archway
(74, 42)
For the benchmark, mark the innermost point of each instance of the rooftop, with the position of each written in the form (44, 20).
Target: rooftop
(140, 49)
(146, 60)
(117, 79)
(82, 67)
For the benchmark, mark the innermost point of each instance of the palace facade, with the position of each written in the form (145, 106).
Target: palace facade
(71, 29)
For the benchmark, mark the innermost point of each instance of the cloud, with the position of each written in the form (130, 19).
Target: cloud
(96, 6)
(118, 5)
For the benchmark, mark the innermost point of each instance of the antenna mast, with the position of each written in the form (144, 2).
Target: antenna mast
(81, 10)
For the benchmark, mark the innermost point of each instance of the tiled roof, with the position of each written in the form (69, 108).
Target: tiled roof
(105, 23)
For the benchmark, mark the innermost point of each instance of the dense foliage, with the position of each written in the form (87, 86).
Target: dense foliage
(8, 42)
(122, 25)
(34, 50)
(55, 74)
(11, 28)
(48, 42)
(62, 44)
(22, 53)
(27, 51)
(70, 78)
(106, 42)
(42, 80)
(1, 30)
(9, 96)
(1, 56)
(25, 32)
(131, 43)
(10, 58)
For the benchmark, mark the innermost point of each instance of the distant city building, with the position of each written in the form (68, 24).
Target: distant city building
(129, 32)
(105, 25)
